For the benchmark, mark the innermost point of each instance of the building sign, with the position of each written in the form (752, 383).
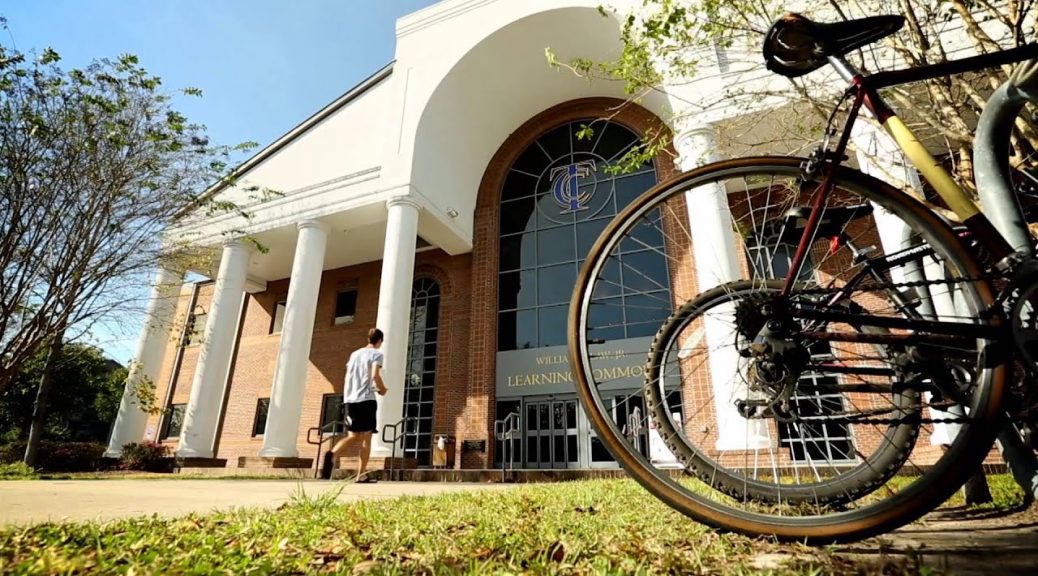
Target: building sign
(565, 185)
(618, 365)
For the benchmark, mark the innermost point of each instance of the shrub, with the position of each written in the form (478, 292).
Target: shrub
(71, 456)
(58, 456)
(146, 456)
(11, 452)
(16, 470)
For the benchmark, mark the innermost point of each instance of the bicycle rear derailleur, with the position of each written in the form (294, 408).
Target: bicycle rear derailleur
(776, 359)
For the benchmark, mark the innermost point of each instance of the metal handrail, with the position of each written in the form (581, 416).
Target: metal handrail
(333, 429)
(397, 437)
(505, 430)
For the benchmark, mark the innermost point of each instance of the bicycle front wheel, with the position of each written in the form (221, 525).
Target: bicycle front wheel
(801, 435)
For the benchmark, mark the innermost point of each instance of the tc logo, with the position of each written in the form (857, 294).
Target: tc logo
(565, 186)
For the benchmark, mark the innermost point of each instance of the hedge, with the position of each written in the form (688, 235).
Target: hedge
(58, 456)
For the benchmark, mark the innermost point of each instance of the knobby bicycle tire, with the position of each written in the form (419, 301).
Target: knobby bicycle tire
(867, 476)
(927, 492)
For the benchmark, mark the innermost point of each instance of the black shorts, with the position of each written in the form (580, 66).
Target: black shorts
(362, 415)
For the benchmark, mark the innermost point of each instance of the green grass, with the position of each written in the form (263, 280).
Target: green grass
(16, 471)
(586, 527)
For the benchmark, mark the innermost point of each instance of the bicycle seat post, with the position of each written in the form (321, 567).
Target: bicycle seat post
(845, 69)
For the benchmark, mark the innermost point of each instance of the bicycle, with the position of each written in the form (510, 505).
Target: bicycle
(819, 335)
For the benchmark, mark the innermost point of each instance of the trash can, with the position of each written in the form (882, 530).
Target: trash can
(443, 451)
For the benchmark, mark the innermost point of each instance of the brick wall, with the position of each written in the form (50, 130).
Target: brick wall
(255, 361)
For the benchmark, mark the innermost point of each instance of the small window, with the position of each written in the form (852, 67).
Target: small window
(195, 330)
(174, 421)
(345, 307)
(279, 318)
(259, 426)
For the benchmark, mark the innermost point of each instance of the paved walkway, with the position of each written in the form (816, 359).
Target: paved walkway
(31, 501)
(964, 542)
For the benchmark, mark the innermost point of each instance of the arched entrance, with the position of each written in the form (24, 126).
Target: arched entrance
(544, 199)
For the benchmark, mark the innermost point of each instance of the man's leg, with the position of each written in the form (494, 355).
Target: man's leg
(344, 443)
(365, 451)
(340, 447)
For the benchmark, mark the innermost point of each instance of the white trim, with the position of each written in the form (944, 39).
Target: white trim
(346, 180)
(438, 12)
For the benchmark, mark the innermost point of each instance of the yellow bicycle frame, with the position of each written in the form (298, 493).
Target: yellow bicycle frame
(952, 194)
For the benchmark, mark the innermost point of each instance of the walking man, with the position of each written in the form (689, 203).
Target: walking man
(363, 380)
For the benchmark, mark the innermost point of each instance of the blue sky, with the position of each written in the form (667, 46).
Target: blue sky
(263, 65)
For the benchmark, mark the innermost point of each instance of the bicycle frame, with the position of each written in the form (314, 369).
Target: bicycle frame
(1014, 239)
(865, 89)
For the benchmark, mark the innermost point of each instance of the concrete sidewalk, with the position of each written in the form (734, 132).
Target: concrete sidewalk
(33, 501)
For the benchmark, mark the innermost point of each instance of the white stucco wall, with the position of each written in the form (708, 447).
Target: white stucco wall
(347, 142)
(328, 166)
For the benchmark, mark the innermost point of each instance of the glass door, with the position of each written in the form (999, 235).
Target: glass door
(564, 433)
(538, 435)
(551, 433)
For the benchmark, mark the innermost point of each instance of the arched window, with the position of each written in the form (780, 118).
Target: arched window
(420, 382)
(557, 198)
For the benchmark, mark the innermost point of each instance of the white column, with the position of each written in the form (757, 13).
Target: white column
(147, 361)
(286, 394)
(879, 155)
(394, 310)
(214, 361)
(714, 246)
(713, 240)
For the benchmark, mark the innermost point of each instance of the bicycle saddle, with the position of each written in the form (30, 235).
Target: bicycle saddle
(796, 45)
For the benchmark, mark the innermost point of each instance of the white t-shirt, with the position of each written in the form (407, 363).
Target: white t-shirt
(359, 370)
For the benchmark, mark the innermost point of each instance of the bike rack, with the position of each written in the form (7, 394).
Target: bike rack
(399, 435)
(506, 430)
(331, 430)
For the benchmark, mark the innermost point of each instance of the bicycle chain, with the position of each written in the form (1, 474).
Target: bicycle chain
(852, 420)
(875, 286)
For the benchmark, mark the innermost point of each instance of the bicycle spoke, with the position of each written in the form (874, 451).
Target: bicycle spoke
(798, 406)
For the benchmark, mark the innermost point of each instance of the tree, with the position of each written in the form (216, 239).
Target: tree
(95, 163)
(91, 386)
(673, 42)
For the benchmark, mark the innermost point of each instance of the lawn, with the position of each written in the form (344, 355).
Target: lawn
(586, 527)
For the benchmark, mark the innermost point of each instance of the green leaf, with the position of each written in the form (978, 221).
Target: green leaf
(49, 56)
